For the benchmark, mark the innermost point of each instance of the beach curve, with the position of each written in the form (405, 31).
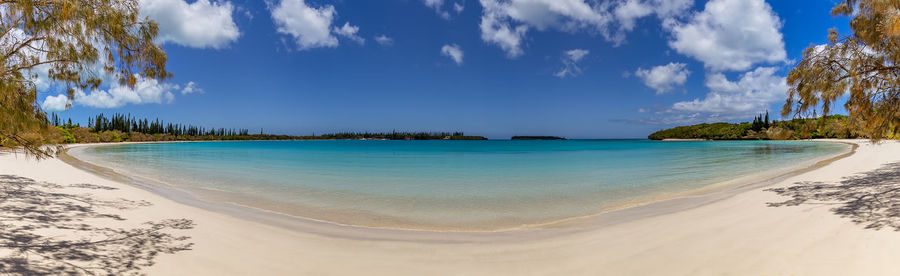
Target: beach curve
(227, 244)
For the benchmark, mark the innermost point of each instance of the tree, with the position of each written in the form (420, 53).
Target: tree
(864, 64)
(72, 43)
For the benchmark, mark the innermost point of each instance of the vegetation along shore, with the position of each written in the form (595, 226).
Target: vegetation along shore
(832, 126)
(126, 128)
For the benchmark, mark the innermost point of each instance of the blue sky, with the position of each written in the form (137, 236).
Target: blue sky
(574, 68)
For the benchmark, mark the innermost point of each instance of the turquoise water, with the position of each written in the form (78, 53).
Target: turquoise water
(451, 184)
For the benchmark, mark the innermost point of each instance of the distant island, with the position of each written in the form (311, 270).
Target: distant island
(833, 126)
(125, 128)
(537, 138)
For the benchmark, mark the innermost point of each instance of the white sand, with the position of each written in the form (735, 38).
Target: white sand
(735, 235)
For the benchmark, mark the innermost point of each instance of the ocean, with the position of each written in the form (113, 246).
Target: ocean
(453, 185)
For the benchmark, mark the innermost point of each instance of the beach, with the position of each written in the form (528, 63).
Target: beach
(742, 231)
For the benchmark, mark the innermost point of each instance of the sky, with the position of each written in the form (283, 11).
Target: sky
(496, 68)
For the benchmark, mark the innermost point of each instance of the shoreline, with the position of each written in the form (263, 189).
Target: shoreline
(735, 234)
(219, 201)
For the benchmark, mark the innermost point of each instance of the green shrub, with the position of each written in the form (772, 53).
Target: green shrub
(834, 126)
(68, 138)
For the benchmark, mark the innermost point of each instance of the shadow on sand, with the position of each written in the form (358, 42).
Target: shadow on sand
(45, 232)
(871, 199)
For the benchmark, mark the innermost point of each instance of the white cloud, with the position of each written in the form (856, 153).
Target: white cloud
(55, 103)
(349, 32)
(671, 8)
(664, 77)
(631, 10)
(201, 24)
(570, 62)
(731, 35)
(145, 91)
(505, 22)
(190, 88)
(458, 7)
(577, 54)
(454, 52)
(436, 5)
(384, 40)
(628, 11)
(753, 93)
(498, 31)
(310, 27)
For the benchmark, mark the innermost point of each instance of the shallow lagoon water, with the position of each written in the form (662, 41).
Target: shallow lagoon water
(452, 184)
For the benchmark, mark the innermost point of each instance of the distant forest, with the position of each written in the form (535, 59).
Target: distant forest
(833, 126)
(126, 128)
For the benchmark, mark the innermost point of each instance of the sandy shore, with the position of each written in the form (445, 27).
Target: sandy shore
(830, 228)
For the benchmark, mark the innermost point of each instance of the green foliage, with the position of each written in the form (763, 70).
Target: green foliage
(759, 123)
(860, 67)
(834, 126)
(68, 138)
(127, 123)
(122, 128)
(112, 136)
(719, 131)
(84, 135)
(78, 42)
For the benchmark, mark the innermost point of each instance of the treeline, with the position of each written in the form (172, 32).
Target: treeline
(127, 128)
(833, 126)
(127, 123)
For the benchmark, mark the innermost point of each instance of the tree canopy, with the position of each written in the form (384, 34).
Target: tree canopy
(76, 44)
(864, 65)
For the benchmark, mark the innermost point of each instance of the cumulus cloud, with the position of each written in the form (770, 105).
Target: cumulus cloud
(384, 40)
(753, 93)
(629, 11)
(310, 27)
(201, 24)
(145, 91)
(55, 103)
(495, 29)
(731, 35)
(454, 52)
(570, 63)
(349, 32)
(505, 23)
(664, 77)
